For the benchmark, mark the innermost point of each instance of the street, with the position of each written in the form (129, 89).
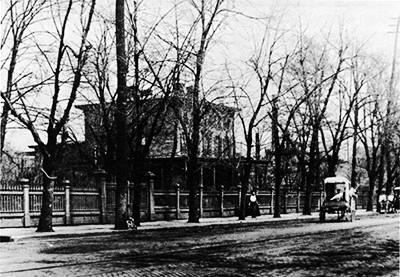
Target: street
(369, 246)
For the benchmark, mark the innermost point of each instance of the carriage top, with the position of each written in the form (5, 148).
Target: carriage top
(332, 184)
(337, 191)
(337, 179)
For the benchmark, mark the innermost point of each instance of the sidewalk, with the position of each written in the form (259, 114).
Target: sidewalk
(14, 234)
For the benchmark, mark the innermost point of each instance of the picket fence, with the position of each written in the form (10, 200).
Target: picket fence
(20, 206)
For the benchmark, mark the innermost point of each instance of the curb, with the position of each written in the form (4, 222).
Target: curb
(85, 230)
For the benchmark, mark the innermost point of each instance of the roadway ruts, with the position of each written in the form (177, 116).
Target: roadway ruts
(369, 246)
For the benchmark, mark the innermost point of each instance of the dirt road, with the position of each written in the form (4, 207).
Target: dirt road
(368, 246)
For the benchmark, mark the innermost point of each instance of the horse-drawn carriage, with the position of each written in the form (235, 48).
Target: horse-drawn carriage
(396, 201)
(338, 198)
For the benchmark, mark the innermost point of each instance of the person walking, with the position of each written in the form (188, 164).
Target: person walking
(382, 201)
(254, 209)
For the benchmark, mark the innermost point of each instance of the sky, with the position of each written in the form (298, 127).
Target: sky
(369, 21)
(366, 21)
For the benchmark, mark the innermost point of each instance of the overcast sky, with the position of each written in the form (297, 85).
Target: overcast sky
(367, 21)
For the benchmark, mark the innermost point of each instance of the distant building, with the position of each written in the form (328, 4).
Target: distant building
(168, 152)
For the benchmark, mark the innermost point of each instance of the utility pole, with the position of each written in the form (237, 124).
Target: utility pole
(121, 192)
(394, 54)
(389, 117)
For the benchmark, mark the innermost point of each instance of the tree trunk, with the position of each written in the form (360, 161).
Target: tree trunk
(245, 186)
(370, 203)
(381, 168)
(193, 184)
(3, 126)
(303, 171)
(121, 192)
(389, 173)
(278, 181)
(46, 213)
(332, 167)
(311, 171)
(354, 151)
(278, 149)
(137, 196)
(193, 147)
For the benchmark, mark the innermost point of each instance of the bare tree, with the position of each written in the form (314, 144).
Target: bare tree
(371, 130)
(359, 80)
(99, 76)
(153, 82)
(269, 66)
(390, 145)
(370, 137)
(335, 131)
(208, 17)
(147, 96)
(63, 67)
(318, 71)
(19, 18)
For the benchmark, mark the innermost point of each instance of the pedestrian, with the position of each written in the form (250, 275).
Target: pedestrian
(254, 209)
(382, 201)
(353, 198)
(396, 203)
(353, 192)
(390, 203)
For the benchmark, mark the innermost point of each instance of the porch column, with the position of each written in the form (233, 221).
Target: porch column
(150, 176)
(214, 177)
(201, 188)
(239, 188)
(177, 200)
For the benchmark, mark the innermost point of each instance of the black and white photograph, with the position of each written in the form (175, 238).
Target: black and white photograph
(200, 138)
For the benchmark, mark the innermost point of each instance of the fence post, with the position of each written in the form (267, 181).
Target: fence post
(201, 188)
(131, 195)
(67, 204)
(239, 188)
(285, 200)
(178, 197)
(221, 197)
(150, 188)
(320, 199)
(25, 185)
(271, 210)
(101, 184)
(298, 201)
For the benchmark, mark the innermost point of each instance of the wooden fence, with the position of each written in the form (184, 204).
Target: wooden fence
(20, 207)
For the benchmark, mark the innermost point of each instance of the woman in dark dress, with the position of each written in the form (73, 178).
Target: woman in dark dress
(254, 209)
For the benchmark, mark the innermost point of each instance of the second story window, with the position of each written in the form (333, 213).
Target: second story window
(217, 146)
